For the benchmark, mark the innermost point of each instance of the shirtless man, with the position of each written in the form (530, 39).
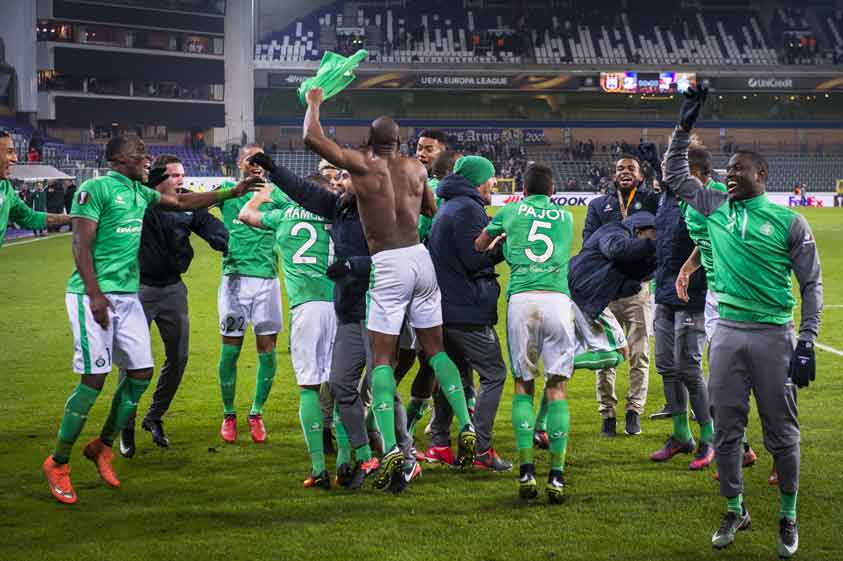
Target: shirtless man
(391, 189)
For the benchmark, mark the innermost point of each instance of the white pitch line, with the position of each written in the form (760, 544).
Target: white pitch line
(831, 350)
(33, 240)
(832, 305)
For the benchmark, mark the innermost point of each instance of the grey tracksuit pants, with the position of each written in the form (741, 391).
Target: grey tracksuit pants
(351, 359)
(680, 340)
(472, 348)
(167, 307)
(753, 357)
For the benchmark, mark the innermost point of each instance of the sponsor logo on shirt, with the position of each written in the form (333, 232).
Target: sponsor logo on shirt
(131, 226)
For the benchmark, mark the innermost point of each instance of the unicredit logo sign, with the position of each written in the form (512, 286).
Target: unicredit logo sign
(769, 83)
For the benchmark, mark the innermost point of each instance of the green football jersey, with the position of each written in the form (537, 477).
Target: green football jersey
(426, 222)
(117, 204)
(698, 231)
(306, 248)
(13, 209)
(251, 251)
(537, 245)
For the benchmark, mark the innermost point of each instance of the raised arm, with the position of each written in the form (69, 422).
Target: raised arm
(210, 229)
(805, 261)
(22, 215)
(309, 195)
(84, 235)
(190, 201)
(679, 180)
(251, 213)
(315, 139)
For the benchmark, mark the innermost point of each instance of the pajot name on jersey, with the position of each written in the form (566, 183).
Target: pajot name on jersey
(544, 213)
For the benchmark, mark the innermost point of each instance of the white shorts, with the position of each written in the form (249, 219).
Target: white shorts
(245, 300)
(126, 342)
(403, 283)
(602, 335)
(313, 326)
(540, 325)
(712, 314)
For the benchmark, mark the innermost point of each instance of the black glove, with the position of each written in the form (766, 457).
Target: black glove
(157, 176)
(338, 270)
(803, 365)
(691, 106)
(263, 161)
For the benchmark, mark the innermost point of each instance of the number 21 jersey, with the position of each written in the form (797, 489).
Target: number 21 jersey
(537, 244)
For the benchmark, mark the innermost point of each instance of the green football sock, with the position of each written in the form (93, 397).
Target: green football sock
(371, 423)
(310, 415)
(383, 397)
(541, 417)
(343, 444)
(598, 360)
(681, 428)
(228, 376)
(75, 414)
(416, 408)
(707, 431)
(267, 365)
(523, 422)
(363, 453)
(123, 406)
(787, 505)
(735, 504)
(451, 385)
(558, 425)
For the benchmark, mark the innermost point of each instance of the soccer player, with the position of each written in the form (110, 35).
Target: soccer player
(391, 192)
(306, 251)
(165, 254)
(699, 163)
(12, 208)
(352, 347)
(106, 317)
(633, 312)
(756, 245)
(249, 293)
(537, 237)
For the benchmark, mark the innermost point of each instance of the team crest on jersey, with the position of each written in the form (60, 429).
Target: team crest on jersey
(766, 229)
(83, 197)
(638, 205)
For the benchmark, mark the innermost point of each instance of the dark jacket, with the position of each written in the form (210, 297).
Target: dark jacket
(612, 264)
(165, 250)
(347, 234)
(466, 277)
(673, 248)
(606, 209)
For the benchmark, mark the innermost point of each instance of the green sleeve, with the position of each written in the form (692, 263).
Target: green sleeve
(25, 217)
(280, 199)
(152, 196)
(272, 219)
(496, 227)
(88, 201)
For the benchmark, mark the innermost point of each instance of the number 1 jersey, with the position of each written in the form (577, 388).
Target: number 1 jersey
(537, 246)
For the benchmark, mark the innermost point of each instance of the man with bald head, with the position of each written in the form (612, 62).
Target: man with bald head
(392, 192)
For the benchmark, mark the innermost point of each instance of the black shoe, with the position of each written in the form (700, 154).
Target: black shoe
(609, 427)
(127, 442)
(344, 474)
(323, 481)
(409, 471)
(527, 482)
(788, 538)
(731, 525)
(633, 423)
(466, 446)
(663, 414)
(156, 428)
(555, 487)
(390, 468)
(362, 470)
(328, 442)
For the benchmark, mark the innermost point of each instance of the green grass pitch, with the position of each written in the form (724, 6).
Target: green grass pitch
(204, 500)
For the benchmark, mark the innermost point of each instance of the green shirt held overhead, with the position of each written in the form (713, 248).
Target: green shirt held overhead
(537, 244)
(698, 230)
(250, 250)
(117, 204)
(13, 209)
(306, 248)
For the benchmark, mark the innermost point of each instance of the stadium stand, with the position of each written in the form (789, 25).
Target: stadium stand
(457, 36)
